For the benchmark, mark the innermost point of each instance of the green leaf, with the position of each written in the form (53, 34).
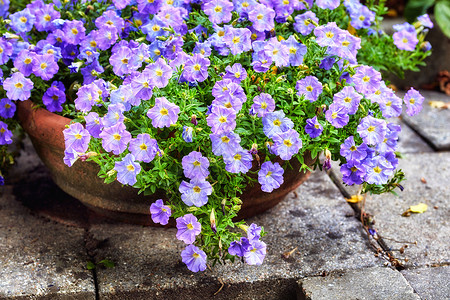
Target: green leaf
(107, 263)
(415, 8)
(442, 14)
(90, 265)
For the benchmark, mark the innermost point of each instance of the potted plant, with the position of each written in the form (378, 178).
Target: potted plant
(199, 102)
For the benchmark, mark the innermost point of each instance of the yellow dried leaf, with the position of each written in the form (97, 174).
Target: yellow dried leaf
(439, 104)
(419, 208)
(351, 29)
(355, 199)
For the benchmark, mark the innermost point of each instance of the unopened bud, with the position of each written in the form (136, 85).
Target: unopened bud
(111, 173)
(243, 227)
(212, 219)
(194, 120)
(192, 209)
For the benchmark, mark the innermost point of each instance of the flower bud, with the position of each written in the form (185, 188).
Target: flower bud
(192, 209)
(254, 149)
(212, 219)
(194, 120)
(243, 227)
(111, 173)
(327, 162)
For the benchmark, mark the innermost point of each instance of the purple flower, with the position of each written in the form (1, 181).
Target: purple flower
(353, 172)
(361, 17)
(327, 4)
(74, 32)
(110, 19)
(106, 37)
(221, 120)
(237, 39)
(93, 124)
(405, 40)
(413, 100)
(389, 143)
(196, 192)
(142, 85)
(76, 137)
(270, 176)
(18, 87)
(45, 66)
(127, 170)
(196, 68)
(164, 113)
(44, 18)
(254, 232)
(161, 73)
(5, 134)
(225, 143)
(87, 96)
(237, 161)
(309, 87)
(378, 170)
(6, 51)
(143, 147)
(278, 52)
(303, 22)
(286, 144)
(337, 115)
(202, 48)
(195, 166)
(187, 134)
(313, 127)
(160, 212)
(53, 99)
(194, 258)
(7, 108)
(350, 151)
(218, 11)
(372, 130)
(327, 35)
(114, 115)
(235, 73)
(348, 47)
(120, 61)
(239, 248)
(348, 98)
(24, 62)
(367, 80)
(391, 105)
(275, 123)
(263, 104)
(425, 21)
(262, 17)
(115, 138)
(22, 21)
(296, 51)
(256, 253)
(188, 227)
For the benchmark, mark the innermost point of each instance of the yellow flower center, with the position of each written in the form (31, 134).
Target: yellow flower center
(145, 85)
(190, 226)
(7, 106)
(377, 169)
(264, 105)
(275, 51)
(371, 128)
(345, 43)
(366, 78)
(317, 126)
(47, 18)
(164, 112)
(78, 136)
(286, 2)
(329, 34)
(259, 17)
(236, 40)
(405, 40)
(228, 105)
(225, 139)
(74, 31)
(218, 8)
(23, 19)
(109, 22)
(43, 66)
(348, 99)
(254, 36)
(27, 61)
(309, 88)
(237, 74)
(197, 67)
(138, 22)
(54, 97)
(222, 119)
(93, 44)
(412, 101)
(143, 147)
(156, 28)
(389, 103)
(307, 22)
(277, 122)
(378, 93)
(130, 168)
(195, 255)
(157, 52)
(2, 130)
(353, 148)
(125, 61)
(197, 189)
(19, 85)
(1, 50)
(362, 18)
(196, 163)
(269, 173)
(354, 169)
(237, 156)
(221, 33)
(288, 143)
(292, 50)
(334, 115)
(245, 4)
(117, 137)
(159, 72)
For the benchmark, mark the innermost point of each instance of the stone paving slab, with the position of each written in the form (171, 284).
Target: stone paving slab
(409, 141)
(316, 220)
(367, 284)
(432, 124)
(430, 283)
(38, 258)
(430, 229)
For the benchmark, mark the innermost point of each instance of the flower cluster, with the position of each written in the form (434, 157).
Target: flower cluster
(201, 98)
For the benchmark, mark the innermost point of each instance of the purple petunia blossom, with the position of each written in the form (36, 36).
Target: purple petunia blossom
(391, 105)
(239, 248)
(76, 137)
(353, 172)
(196, 68)
(6, 51)
(127, 170)
(413, 100)
(256, 253)
(348, 47)
(303, 22)
(337, 115)
(372, 130)
(120, 61)
(270, 176)
(5, 134)
(275, 123)
(218, 11)
(160, 212)
(367, 80)
(115, 138)
(188, 227)
(263, 104)
(114, 115)
(278, 52)
(262, 17)
(143, 147)
(24, 62)
(194, 258)
(362, 17)
(425, 21)
(196, 192)
(203, 48)
(389, 144)
(348, 98)
(45, 66)
(161, 73)
(378, 170)
(195, 166)
(296, 51)
(187, 134)
(235, 73)
(18, 87)
(313, 127)
(74, 32)
(142, 85)
(93, 124)
(254, 232)
(238, 161)
(350, 151)
(164, 113)
(327, 4)
(7, 108)
(310, 87)
(327, 35)
(225, 143)
(237, 39)
(53, 99)
(87, 96)
(22, 21)
(405, 40)
(221, 120)
(286, 144)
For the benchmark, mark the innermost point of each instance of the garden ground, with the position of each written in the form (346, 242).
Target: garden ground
(317, 246)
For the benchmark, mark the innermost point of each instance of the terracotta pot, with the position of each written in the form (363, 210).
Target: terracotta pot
(114, 200)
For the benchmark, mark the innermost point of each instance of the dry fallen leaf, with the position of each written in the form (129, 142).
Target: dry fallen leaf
(419, 208)
(355, 199)
(439, 104)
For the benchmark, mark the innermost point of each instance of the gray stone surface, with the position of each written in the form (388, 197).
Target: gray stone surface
(408, 140)
(317, 221)
(370, 284)
(430, 229)
(39, 258)
(433, 124)
(430, 283)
